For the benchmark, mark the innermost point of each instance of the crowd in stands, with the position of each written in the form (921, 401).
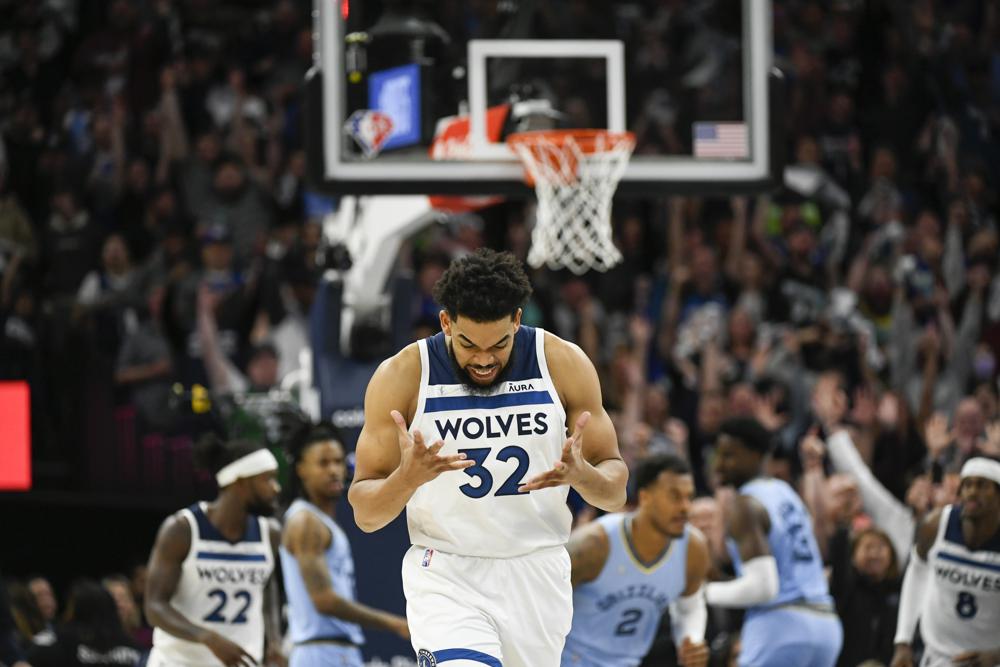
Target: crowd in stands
(155, 226)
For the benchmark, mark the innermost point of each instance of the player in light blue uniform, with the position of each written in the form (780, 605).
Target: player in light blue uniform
(323, 617)
(790, 617)
(627, 568)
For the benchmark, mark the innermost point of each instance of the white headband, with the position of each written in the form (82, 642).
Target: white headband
(252, 464)
(982, 467)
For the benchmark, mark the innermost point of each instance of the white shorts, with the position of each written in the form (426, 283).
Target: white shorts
(500, 612)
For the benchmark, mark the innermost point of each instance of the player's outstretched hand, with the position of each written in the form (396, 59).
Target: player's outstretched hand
(692, 654)
(977, 659)
(229, 653)
(419, 463)
(570, 465)
(902, 656)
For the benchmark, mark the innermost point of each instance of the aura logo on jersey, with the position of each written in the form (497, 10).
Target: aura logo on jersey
(493, 426)
(425, 658)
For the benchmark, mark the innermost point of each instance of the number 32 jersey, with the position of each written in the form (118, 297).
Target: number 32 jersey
(221, 588)
(961, 610)
(512, 433)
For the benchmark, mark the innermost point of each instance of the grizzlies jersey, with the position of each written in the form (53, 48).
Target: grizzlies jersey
(304, 622)
(616, 615)
(792, 543)
(961, 610)
(221, 588)
(513, 433)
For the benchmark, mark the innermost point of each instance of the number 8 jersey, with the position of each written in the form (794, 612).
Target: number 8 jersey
(961, 610)
(512, 433)
(221, 588)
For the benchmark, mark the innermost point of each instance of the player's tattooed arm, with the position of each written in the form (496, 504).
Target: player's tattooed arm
(588, 549)
(306, 538)
(272, 602)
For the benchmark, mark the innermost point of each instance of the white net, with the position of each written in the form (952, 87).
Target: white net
(575, 174)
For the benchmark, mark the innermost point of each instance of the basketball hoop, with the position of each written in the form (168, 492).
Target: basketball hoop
(575, 174)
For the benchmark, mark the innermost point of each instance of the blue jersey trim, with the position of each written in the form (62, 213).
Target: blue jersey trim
(214, 555)
(208, 531)
(523, 363)
(633, 553)
(448, 403)
(440, 371)
(966, 561)
(466, 654)
(953, 533)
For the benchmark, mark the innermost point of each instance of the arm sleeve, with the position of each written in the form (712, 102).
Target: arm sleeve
(911, 599)
(689, 617)
(759, 584)
(888, 513)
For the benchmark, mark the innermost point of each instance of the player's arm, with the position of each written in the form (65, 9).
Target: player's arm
(307, 539)
(911, 597)
(389, 463)
(588, 549)
(272, 601)
(747, 524)
(688, 613)
(591, 462)
(171, 548)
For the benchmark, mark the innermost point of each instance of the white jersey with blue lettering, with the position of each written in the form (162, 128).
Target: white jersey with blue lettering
(221, 588)
(961, 609)
(512, 434)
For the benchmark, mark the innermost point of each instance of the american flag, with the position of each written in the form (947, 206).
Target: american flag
(720, 140)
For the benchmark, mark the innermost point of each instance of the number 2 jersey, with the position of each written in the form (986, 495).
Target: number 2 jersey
(512, 433)
(221, 588)
(961, 609)
(615, 616)
(793, 545)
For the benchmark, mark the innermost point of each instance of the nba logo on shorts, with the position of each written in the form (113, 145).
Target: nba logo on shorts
(425, 658)
(426, 561)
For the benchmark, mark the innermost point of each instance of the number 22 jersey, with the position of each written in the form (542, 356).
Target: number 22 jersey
(512, 433)
(221, 588)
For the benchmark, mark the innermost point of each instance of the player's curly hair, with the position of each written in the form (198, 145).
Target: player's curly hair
(485, 286)
(299, 442)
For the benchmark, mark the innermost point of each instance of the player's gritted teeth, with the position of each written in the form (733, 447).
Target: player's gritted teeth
(483, 373)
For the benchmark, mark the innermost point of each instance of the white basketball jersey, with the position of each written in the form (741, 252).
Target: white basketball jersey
(221, 588)
(961, 610)
(512, 434)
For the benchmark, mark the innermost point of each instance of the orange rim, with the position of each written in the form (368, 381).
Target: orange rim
(585, 139)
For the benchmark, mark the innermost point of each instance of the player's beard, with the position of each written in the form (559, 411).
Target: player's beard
(470, 384)
(260, 507)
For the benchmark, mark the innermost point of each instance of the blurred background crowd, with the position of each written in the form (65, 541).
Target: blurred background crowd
(156, 227)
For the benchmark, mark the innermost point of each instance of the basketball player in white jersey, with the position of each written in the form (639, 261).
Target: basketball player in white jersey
(210, 569)
(468, 431)
(952, 582)
(628, 568)
(324, 619)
